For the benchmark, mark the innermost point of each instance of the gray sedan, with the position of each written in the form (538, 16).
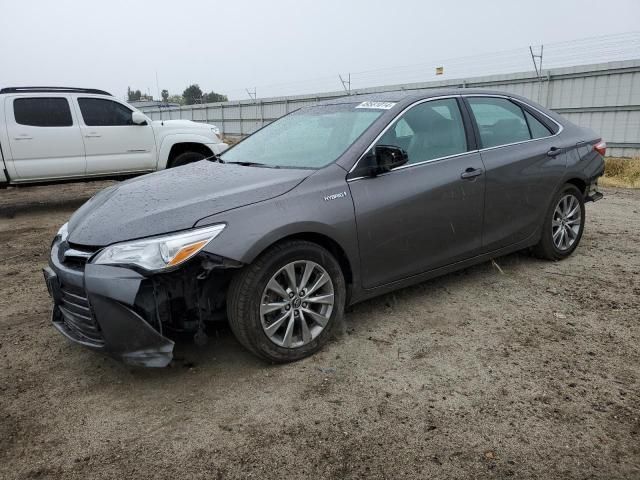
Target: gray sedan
(328, 206)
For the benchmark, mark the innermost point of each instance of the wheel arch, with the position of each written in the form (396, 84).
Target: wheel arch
(580, 183)
(178, 149)
(577, 181)
(324, 241)
(175, 144)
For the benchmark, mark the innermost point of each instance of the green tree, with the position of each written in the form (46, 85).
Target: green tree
(133, 95)
(176, 99)
(213, 97)
(165, 95)
(192, 94)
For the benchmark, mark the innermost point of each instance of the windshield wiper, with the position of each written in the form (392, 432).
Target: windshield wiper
(215, 158)
(253, 164)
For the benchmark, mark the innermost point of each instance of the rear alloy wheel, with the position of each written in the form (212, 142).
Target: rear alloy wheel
(284, 306)
(564, 224)
(186, 158)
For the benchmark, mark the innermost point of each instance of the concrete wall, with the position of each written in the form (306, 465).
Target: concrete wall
(604, 97)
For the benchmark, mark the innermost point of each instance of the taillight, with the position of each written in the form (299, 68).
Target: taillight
(601, 148)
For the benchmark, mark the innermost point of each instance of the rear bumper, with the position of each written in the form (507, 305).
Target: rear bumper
(593, 195)
(94, 307)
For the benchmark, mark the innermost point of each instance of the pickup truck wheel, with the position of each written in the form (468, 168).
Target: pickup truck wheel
(186, 157)
(285, 305)
(563, 225)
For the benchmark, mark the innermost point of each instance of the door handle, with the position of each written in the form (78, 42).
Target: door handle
(92, 135)
(554, 151)
(23, 137)
(471, 173)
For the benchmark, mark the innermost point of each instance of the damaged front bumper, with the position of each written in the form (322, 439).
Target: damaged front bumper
(124, 313)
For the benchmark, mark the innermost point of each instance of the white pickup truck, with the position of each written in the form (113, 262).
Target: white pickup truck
(54, 133)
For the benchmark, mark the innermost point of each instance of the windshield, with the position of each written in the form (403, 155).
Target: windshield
(312, 137)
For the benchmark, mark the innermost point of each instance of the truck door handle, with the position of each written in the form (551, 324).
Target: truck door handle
(92, 135)
(471, 173)
(554, 151)
(23, 137)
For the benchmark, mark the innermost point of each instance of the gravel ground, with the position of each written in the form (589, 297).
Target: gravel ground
(528, 372)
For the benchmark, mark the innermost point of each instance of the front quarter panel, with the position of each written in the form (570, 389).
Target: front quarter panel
(321, 204)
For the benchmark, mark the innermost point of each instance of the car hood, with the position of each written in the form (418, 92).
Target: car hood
(175, 199)
(170, 127)
(181, 123)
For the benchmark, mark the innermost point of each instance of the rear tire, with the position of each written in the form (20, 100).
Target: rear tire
(185, 158)
(254, 308)
(563, 224)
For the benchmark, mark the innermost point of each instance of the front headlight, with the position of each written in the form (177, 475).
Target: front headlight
(158, 253)
(63, 232)
(215, 130)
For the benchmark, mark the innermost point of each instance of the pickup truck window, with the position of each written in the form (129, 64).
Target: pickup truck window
(98, 112)
(42, 112)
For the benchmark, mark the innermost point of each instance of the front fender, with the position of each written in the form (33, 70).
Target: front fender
(320, 205)
(255, 248)
(170, 140)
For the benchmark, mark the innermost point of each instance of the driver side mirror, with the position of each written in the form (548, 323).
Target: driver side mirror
(138, 118)
(388, 157)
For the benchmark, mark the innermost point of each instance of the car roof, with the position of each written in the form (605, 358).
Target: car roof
(53, 90)
(401, 96)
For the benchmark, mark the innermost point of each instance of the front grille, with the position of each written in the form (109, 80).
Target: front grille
(74, 257)
(76, 313)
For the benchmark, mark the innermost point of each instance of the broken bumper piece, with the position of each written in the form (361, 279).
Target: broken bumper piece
(95, 306)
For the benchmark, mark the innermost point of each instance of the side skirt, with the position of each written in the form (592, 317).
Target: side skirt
(366, 294)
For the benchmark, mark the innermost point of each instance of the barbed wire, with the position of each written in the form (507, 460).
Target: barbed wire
(599, 49)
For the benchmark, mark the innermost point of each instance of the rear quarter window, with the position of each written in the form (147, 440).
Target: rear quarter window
(42, 112)
(538, 130)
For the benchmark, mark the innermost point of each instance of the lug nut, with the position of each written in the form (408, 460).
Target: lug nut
(304, 305)
(287, 307)
(296, 313)
(291, 295)
(302, 292)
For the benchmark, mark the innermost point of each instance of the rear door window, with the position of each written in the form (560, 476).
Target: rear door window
(100, 112)
(42, 112)
(500, 121)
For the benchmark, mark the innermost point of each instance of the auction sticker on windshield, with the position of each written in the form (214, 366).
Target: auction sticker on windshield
(378, 105)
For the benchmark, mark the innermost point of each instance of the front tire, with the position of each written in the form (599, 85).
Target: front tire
(563, 224)
(285, 305)
(186, 158)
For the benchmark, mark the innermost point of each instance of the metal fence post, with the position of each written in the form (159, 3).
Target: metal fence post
(224, 130)
(261, 114)
(547, 102)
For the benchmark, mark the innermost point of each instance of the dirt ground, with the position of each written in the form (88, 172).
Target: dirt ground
(532, 372)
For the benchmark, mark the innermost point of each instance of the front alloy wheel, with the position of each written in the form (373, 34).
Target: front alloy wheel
(284, 306)
(297, 304)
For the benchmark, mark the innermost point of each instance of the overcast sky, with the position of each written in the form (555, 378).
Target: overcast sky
(229, 45)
